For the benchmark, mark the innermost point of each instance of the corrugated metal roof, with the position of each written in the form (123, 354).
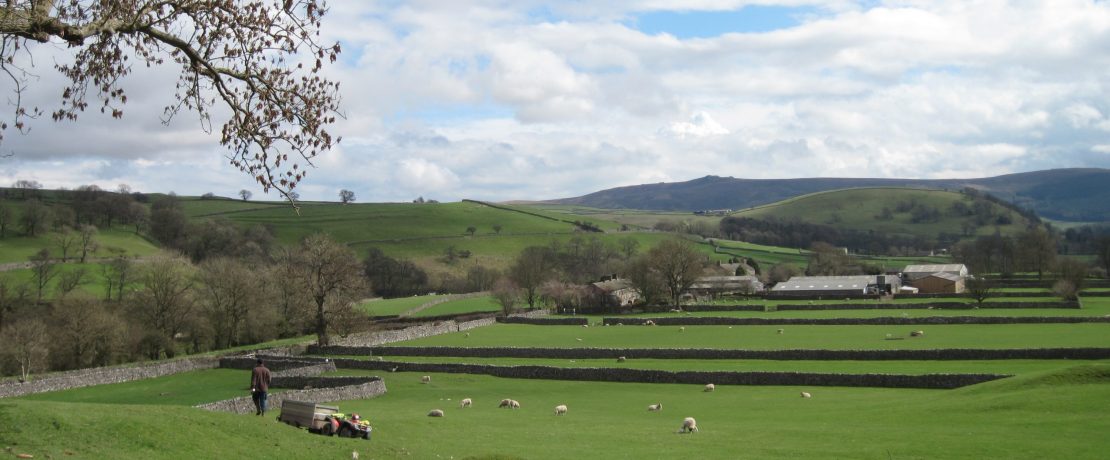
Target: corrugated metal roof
(951, 268)
(825, 283)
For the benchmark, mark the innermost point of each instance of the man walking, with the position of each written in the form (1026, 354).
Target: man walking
(260, 384)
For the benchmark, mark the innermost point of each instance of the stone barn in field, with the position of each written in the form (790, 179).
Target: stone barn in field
(617, 292)
(709, 286)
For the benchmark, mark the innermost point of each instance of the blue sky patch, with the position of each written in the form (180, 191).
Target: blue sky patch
(706, 24)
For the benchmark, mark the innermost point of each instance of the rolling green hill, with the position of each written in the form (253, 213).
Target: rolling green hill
(909, 212)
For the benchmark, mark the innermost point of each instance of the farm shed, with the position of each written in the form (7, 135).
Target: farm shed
(939, 283)
(837, 285)
(914, 272)
(718, 285)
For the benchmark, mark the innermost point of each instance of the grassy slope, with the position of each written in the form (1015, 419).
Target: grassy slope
(1021, 418)
(766, 337)
(461, 306)
(112, 242)
(857, 208)
(185, 389)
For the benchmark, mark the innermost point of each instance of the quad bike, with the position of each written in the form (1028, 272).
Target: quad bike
(346, 426)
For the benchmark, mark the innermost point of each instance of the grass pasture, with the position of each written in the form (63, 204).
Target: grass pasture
(187, 389)
(454, 307)
(396, 306)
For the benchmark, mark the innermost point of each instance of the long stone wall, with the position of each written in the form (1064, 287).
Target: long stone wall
(930, 305)
(544, 321)
(882, 321)
(350, 388)
(408, 333)
(943, 354)
(105, 375)
(935, 381)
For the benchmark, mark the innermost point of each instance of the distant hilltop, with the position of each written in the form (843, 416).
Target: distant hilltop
(1074, 194)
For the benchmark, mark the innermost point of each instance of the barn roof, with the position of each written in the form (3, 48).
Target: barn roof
(949, 268)
(825, 283)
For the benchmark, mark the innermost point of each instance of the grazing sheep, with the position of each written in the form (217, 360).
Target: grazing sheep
(730, 327)
(513, 404)
(682, 329)
(917, 333)
(465, 403)
(468, 334)
(805, 394)
(655, 407)
(620, 359)
(426, 379)
(585, 325)
(381, 358)
(689, 425)
(561, 409)
(710, 387)
(649, 323)
(505, 403)
(578, 340)
(435, 413)
(354, 455)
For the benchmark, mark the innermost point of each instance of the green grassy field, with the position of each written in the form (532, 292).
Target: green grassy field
(767, 338)
(484, 304)
(112, 242)
(856, 209)
(185, 389)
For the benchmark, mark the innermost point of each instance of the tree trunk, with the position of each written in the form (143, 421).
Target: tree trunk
(321, 324)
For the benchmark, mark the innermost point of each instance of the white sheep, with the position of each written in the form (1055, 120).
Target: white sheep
(805, 394)
(780, 331)
(620, 359)
(682, 329)
(465, 403)
(649, 323)
(917, 333)
(426, 379)
(689, 425)
(467, 334)
(585, 325)
(655, 407)
(578, 340)
(710, 387)
(435, 413)
(561, 409)
(505, 403)
(514, 404)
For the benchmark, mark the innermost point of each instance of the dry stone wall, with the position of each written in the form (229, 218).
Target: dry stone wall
(890, 320)
(930, 305)
(105, 375)
(349, 388)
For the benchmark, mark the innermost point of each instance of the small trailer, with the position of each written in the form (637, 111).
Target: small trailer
(324, 420)
(307, 415)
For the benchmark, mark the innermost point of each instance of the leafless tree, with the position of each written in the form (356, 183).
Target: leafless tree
(979, 288)
(27, 188)
(164, 301)
(534, 266)
(245, 194)
(229, 290)
(346, 196)
(65, 239)
(678, 264)
(83, 333)
(69, 280)
(497, 228)
(88, 241)
(26, 343)
(289, 294)
(42, 271)
(645, 279)
(507, 293)
(33, 219)
(333, 276)
(6, 218)
(1036, 249)
(242, 55)
(116, 274)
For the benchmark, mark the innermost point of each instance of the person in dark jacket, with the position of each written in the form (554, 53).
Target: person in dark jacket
(260, 384)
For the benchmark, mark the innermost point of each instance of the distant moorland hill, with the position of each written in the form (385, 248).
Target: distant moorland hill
(1078, 194)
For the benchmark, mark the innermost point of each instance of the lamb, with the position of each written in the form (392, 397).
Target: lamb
(435, 413)
(513, 404)
(917, 333)
(710, 387)
(465, 403)
(689, 425)
(620, 359)
(426, 379)
(505, 403)
(561, 409)
(655, 407)
(806, 394)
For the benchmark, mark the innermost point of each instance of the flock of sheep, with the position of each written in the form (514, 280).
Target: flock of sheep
(689, 424)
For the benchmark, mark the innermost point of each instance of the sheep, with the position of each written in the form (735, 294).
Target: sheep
(514, 404)
(561, 409)
(585, 325)
(467, 335)
(649, 323)
(354, 455)
(710, 387)
(381, 358)
(780, 331)
(620, 359)
(435, 413)
(917, 333)
(505, 403)
(689, 425)
(682, 329)
(655, 407)
(805, 394)
(465, 403)
(578, 340)
(426, 379)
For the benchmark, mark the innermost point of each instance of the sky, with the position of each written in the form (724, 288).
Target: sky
(528, 100)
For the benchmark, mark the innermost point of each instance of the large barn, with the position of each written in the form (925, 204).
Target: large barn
(837, 285)
(936, 279)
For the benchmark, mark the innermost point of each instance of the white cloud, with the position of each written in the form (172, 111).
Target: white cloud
(420, 174)
(701, 124)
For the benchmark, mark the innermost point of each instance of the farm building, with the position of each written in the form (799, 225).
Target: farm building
(913, 272)
(837, 285)
(617, 291)
(936, 279)
(718, 285)
(939, 283)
